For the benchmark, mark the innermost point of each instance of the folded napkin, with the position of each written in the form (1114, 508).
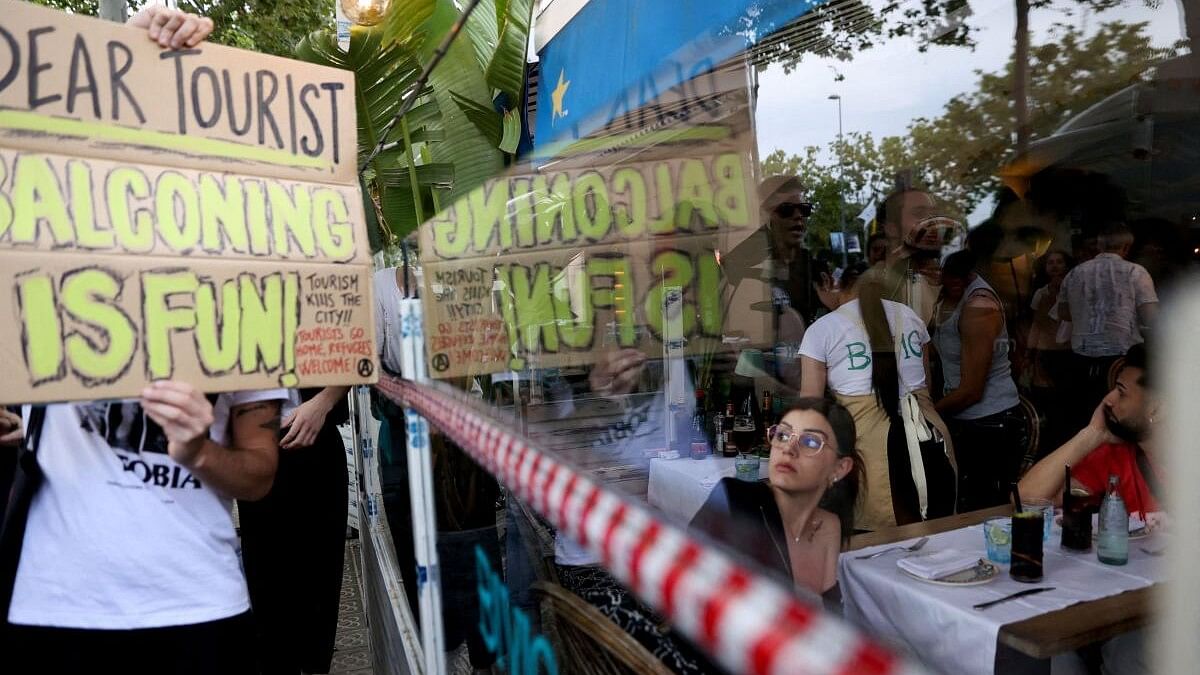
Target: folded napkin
(938, 564)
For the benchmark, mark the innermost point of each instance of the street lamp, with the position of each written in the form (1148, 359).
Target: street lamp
(841, 184)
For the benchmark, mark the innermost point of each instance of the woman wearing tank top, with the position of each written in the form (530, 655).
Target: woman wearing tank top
(980, 401)
(870, 354)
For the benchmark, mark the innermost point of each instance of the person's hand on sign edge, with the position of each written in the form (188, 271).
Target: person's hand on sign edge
(184, 414)
(11, 432)
(172, 28)
(303, 424)
(616, 373)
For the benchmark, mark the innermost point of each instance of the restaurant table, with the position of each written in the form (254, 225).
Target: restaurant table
(1038, 634)
(679, 487)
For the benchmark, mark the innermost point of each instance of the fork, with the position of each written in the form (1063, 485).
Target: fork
(915, 546)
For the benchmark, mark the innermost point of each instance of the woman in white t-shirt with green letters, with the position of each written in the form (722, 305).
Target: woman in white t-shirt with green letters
(870, 355)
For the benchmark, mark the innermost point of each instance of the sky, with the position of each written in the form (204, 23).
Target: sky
(888, 86)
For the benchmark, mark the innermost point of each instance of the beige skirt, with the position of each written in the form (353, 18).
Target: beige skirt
(871, 422)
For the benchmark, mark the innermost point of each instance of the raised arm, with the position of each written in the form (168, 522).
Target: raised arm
(244, 471)
(1045, 479)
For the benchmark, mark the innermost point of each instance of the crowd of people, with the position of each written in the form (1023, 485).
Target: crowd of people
(922, 393)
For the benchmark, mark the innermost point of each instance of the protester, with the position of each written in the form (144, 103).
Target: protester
(617, 374)
(1109, 302)
(293, 540)
(129, 559)
(1049, 350)
(779, 245)
(980, 402)
(909, 272)
(797, 522)
(871, 354)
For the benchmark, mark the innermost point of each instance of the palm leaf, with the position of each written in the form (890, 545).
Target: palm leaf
(474, 156)
(406, 20)
(428, 175)
(482, 116)
(506, 68)
(483, 30)
(512, 132)
(385, 70)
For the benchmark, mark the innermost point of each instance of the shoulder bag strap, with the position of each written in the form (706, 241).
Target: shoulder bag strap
(27, 479)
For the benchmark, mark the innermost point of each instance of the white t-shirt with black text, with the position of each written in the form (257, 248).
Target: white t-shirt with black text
(839, 340)
(120, 536)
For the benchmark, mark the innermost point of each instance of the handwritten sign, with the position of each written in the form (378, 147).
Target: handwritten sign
(551, 268)
(188, 214)
(547, 270)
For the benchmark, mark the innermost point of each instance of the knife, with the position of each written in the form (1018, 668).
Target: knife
(1013, 596)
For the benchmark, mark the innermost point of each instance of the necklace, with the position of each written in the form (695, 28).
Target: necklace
(814, 527)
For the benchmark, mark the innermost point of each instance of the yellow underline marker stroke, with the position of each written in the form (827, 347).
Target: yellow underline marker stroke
(19, 120)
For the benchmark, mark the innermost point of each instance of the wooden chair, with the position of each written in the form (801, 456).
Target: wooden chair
(586, 641)
(1033, 435)
(1113, 371)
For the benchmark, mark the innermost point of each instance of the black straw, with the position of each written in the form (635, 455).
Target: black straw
(1066, 487)
(1016, 495)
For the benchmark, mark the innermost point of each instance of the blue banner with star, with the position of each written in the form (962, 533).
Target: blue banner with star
(615, 56)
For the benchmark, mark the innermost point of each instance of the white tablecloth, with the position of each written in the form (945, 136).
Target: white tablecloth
(679, 487)
(937, 623)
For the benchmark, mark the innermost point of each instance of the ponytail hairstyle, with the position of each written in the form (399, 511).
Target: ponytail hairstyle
(885, 375)
(842, 497)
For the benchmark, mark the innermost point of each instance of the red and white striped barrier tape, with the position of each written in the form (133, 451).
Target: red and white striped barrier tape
(749, 623)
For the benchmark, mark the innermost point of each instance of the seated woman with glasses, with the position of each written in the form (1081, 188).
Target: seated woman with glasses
(797, 521)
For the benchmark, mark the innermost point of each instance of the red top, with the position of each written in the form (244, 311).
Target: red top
(1119, 459)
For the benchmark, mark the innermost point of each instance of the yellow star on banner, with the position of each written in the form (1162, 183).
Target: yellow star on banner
(557, 96)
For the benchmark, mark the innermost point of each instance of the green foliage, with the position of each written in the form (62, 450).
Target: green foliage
(383, 72)
(840, 29)
(959, 153)
(482, 116)
(474, 155)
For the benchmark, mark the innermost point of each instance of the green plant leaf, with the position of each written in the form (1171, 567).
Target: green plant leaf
(474, 156)
(483, 29)
(512, 132)
(384, 71)
(439, 175)
(405, 23)
(506, 68)
(484, 117)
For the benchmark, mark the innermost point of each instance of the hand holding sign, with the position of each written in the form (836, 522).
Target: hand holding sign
(184, 415)
(172, 28)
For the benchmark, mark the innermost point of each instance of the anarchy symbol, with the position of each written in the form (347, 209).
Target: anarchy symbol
(365, 367)
(441, 362)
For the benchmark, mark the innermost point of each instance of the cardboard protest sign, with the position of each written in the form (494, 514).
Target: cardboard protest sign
(190, 214)
(549, 268)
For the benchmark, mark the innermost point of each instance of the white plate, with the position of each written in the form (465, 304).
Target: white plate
(982, 573)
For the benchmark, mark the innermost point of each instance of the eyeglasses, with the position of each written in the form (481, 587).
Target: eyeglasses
(811, 443)
(788, 209)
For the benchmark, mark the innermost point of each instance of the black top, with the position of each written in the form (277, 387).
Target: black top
(743, 517)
